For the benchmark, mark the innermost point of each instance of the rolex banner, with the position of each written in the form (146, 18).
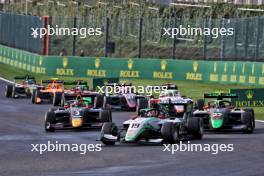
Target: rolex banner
(249, 73)
(248, 97)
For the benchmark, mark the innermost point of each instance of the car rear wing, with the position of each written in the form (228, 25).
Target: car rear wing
(170, 86)
(91, 97)
(220, 96)
(77, 82)
(167, 86)
(52, 81)
(118, 84)
(24, 77)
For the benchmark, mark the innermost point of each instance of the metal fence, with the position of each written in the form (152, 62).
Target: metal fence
(143, 37)
(140, 37)
(248, 2)
(15, 31)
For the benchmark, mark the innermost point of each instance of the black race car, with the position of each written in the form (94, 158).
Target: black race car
(125, 99)
(220, 114)
(22, 88)
(78, 113)
(80, 88)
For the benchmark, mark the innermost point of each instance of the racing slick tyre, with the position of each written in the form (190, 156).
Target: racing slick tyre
(99, 101)
(167, 131)
(107, 102)
(175, 134)
(62, 100)
(110, 129)
(142, 103)
(9, 91)
(105, 116)
(33, 96)
(14, 92)
(253, 115)
(247, 119)
(195, 127)
(199, 104)
(49, 120)
(57, 98)
(37, 95)
(28, 93)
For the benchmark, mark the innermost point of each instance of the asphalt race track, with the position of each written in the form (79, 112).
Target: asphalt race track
(22, 124)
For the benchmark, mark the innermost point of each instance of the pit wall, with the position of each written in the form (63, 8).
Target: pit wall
(247, 73)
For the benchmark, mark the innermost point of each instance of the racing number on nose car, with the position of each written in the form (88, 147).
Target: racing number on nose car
(135, 125)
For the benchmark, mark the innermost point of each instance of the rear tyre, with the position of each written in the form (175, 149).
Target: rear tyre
(38, 95)
(99, 101)
(195, 127)
(175, 134)
(107, 102)
(9, 91)
(49, 121)
(33, 96)
(105, 116)
(62, 100)
(247, 119)
(111, 129)
(200, 104)
(57, 98)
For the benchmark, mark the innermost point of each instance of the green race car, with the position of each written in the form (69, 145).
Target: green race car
(220, 114)
(168, 121)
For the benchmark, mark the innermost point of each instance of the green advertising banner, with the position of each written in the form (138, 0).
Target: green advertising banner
(248, 97)
(248, 73)
(22, 60)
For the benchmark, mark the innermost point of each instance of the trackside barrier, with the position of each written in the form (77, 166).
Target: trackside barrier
(248, 73)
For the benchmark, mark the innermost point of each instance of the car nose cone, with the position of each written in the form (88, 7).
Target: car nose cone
(77, 122)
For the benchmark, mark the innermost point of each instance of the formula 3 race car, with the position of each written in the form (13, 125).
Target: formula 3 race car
(22, 88)
(51, 93)
(78, 113)
(171, 91)
(125, 99)
(169, 121)
(80, 89)
(220, 114)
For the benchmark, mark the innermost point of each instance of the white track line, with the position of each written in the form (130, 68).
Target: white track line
(260, 121)
(6, 80)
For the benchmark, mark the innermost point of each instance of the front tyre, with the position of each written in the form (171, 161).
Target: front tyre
(57, 98)
(248, 120)
(195, 127)
(49, 121)
(108, 128)
(9, 91)
(167, 131)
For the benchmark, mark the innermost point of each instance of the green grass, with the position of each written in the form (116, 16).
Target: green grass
(193, 90)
